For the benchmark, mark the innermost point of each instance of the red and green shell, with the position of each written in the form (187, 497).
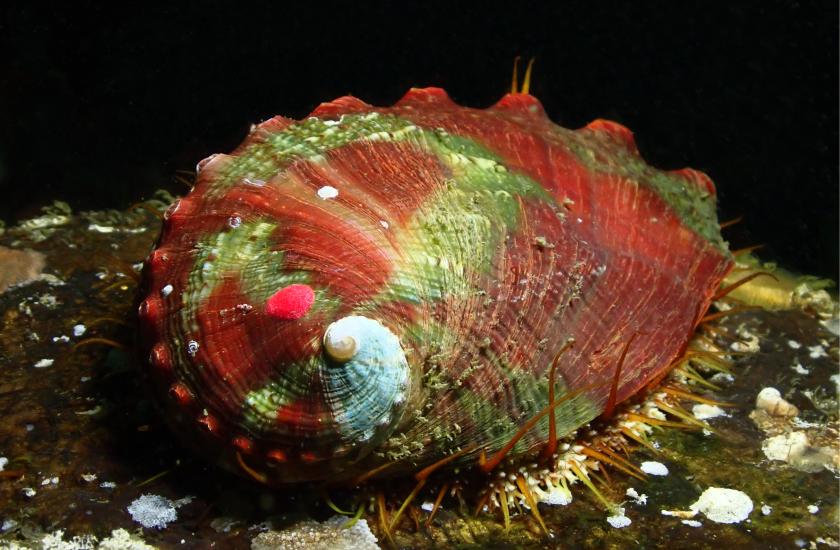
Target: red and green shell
(374, 286)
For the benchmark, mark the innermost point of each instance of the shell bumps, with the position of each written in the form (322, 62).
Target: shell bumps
(374, 286)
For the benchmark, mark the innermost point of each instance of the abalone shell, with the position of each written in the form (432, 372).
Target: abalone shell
(373, 286)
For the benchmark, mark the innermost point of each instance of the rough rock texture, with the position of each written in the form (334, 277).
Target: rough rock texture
(19, 266)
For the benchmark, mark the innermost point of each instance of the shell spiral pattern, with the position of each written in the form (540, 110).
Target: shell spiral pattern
(374, 286)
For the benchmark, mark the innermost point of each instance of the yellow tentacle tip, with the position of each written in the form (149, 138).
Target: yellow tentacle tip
(526, 81)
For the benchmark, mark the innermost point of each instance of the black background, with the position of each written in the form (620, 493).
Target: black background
(100, 106)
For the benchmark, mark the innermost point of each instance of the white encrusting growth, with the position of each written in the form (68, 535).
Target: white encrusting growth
(327, 192)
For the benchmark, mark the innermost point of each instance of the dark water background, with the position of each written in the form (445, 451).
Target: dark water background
(101, 104)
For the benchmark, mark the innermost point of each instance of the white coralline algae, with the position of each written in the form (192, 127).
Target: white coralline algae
(153, 511)
(724, 505)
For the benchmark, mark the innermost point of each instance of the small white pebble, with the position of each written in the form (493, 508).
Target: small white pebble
(3, 462)
(29, 427)
(813, 508)
(328, 192)
(815, 352)
(799, 369)
(79, 330)
(166, 290)
(654, 468)
(108, 485)
(8, 525)
(29, 492)
(703, 411)
(766, 510)
(692, 523)
(89, 477)
(43, 363)
(640, 499)
(63, 339)
(427, 506)
(794, 344)
(50, 481)
(722, 378)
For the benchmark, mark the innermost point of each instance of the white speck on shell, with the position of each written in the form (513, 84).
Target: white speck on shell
(723, 505)
(328, 192)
